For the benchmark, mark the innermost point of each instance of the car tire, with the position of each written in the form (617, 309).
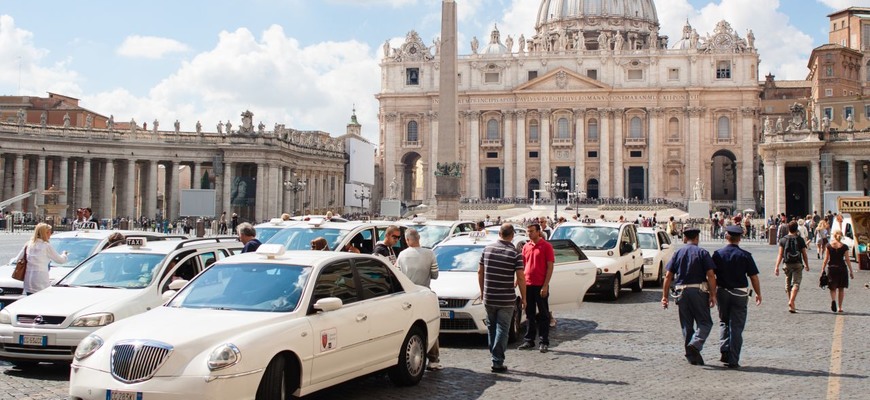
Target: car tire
(615, 288)
(637, 286)
(660, 279)
(412, 359)
(515, 331)
(277, 383)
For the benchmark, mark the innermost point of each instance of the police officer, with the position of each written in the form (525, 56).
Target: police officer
(691, 269)
(733, 265)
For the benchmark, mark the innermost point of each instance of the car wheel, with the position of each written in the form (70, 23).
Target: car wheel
(412, 358)
(637, 286)
(514, 332)
(660, 280)
(615, 287)
(277, 382)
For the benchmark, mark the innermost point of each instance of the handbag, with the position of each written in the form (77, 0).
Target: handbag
(20, 267)
(823, 280)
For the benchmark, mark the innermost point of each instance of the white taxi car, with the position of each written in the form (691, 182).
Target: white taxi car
(79, 245)
(433, 232)
(458, 290)
(266, 230)
(339, 235)
(265, 325)
(109, 286)
(613, 247)
(657, 251)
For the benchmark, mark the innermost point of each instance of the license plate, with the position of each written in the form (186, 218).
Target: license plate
(33, 340)
(114, 395)
(447, 314)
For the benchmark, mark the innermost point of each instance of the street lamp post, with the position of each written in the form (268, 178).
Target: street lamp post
(362, 195)
(555, 187)
(294, 185)
(578, 195)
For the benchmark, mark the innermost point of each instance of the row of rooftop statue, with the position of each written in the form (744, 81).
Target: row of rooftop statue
(798, 122)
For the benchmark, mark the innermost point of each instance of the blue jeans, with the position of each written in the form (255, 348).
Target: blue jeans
(499, 322)
(732, 320)
(694, 308)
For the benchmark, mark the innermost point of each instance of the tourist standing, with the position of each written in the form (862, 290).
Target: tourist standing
(248, 237)
(538, 259)
(420, 266)
(39, 253)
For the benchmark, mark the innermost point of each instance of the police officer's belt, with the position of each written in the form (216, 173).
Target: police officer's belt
(690, 286)
(739, 292)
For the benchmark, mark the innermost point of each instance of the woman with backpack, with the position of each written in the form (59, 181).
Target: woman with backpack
(793, 253)
(836, 262)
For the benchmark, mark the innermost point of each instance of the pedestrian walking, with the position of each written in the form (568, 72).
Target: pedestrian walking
(691, 269)
(538, 259)
(420, 266)
(733, 266)
(792, 252)
(500, 269)
(836, 262)
(39, 253)
(248, 237)
(822, 236)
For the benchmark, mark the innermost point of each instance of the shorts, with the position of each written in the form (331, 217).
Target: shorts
(793, 275)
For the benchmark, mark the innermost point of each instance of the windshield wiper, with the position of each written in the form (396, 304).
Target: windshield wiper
(100, 286)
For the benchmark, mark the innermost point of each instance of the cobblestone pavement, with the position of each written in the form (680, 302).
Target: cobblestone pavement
(629, 349)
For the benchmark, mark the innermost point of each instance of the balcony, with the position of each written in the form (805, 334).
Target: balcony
(412, 144)
(490, 143)
(635, 142)
(562, 142)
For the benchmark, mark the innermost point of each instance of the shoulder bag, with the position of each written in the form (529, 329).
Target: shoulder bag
(20, 267)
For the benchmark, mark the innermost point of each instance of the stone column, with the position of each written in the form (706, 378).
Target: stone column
(693, 166)
(40, 182)
(507, 178)
(3, 176)
(579, 149)
(227, 190)
(274, 196)
(432, 142)
(393, 133)
(474, 155)
(604, 181)
(618, 151)
(654, 156)
(746, 183)
(63, 182)
(86, 183)
(851, 175)
(546, 173)
(195, 175)
(18, 182)
(447, 187)
(815, 186)
(151, 191)
(521, 180)
(780, 185)
(260, 199)
(108, 190)
(770, 187)
(174, 190)
(130, 191)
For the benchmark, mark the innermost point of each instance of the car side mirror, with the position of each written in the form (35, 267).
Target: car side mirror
(665, 246)
(177, 284)
(328, 304)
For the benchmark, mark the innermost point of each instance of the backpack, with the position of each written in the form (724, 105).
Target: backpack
(792, 253)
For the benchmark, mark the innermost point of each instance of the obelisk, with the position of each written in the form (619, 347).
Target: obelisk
(448, 171)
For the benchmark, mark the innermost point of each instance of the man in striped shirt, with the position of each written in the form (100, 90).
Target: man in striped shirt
(500, 270)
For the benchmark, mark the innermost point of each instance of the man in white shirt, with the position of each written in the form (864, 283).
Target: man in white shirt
(420, 266)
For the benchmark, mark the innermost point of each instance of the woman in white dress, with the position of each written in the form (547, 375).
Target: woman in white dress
(39, 254)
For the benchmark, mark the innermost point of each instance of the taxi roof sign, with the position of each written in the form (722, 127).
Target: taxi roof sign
(588, 221)
(419, 220)
(271, 250)
(136, 241)
(477, 234)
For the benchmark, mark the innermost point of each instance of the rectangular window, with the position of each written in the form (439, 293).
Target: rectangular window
(829, 112)
(635, 74)
(848, 111)
(674, 74)
(492, 154)
(723, 70)
(533, 75)
(867, 112)
(412, 76)
(592, 154)
(829, 70)
(533, 154)
(635, 154)
(829, 92)
(592, 73)
(491, 77)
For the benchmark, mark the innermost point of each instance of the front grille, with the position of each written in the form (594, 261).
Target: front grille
(136, 361)
(11, 291)
(458, 324)
(40, 319)
(452, 303)
(38, 350)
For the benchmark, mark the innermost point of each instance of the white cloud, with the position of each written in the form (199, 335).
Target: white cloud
(150, 47)
(22, 62)
(306, 88)
(843, 4)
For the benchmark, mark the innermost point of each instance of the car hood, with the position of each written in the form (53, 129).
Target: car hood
(456, 285)
(647, 253)
(68, 301)
(602, 262)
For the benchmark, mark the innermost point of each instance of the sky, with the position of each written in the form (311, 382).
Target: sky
(302, 63)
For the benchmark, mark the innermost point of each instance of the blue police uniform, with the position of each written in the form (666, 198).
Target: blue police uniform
(689, 266)
(733, 266)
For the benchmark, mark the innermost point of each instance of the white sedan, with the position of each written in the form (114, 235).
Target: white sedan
(657, 251)
(265, 325)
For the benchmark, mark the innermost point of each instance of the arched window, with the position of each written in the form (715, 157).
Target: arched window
(564, 132)
(492, 130)
(635, 128)
(674, 129)
(413, 134)
(592, 130)
(534, 134)
(724, 128)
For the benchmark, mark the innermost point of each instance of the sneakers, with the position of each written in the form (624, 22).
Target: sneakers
(694, 355)
(544, 348)
(526, 346)
(499, 369)
(435, 366)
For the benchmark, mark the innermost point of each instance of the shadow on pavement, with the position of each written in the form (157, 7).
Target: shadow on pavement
(794, 372)
(43, 371)
(648, 295)
(574, 379)
(454, 383)
(594, 356)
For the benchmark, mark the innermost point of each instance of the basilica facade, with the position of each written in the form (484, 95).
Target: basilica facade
(596, 98)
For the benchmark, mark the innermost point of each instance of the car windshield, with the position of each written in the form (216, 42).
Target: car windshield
(430, 235)
(78, 248)
(299, 238)
(245, 287)
(266, 233)
(589, 237)
(458, 258)
(647, 241)
(116, 270)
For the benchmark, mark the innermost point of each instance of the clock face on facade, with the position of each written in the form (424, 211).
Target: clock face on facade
(722, 41)
(413, 50)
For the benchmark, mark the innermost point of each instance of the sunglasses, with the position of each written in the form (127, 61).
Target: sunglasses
(397, 237)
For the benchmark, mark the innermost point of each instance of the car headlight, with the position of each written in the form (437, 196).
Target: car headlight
(88, 346)
(5, 317)
(647, 261)
(94, 320)
(225, 355)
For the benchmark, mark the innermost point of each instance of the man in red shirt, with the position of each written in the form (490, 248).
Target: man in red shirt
(538, 258)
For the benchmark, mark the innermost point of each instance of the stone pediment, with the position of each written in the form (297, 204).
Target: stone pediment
(561, 80)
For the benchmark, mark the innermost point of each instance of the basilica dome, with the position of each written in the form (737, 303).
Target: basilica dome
(562, 11)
